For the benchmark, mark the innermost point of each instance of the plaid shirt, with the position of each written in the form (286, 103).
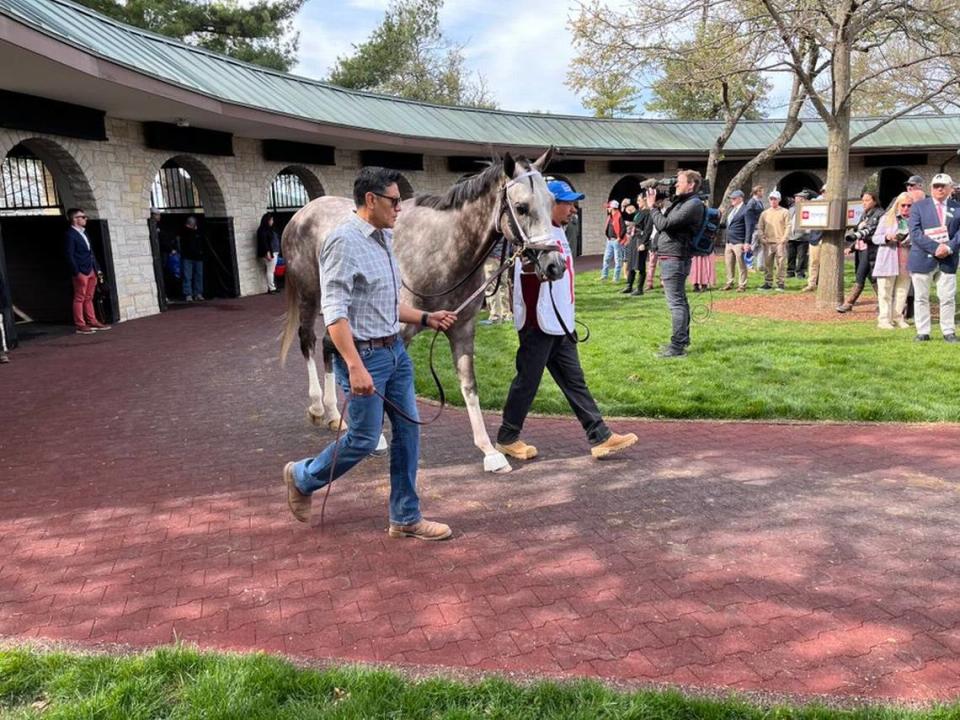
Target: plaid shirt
(359, 279)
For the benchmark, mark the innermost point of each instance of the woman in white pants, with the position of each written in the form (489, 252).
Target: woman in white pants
(268, 248)
(890, 269)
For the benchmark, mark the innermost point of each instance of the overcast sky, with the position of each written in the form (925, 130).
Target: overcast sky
(522, 48)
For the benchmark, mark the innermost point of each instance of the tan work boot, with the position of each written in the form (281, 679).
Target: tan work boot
(298, 502)
(422, 530)
(518, 449)
(613, 444)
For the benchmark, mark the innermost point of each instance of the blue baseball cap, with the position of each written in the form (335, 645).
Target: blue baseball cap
(562, 191)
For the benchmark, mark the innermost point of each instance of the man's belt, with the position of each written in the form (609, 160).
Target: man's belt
(382, 342)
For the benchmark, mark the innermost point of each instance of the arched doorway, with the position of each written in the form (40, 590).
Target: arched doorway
(574, 230)
(39, 181)
(891, 182)
(626, 187)
(796, 182)
(291, 189)
(183, 188)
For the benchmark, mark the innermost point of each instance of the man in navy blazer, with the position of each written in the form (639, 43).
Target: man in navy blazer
(934, 246)
(735, 220)
(84, 267)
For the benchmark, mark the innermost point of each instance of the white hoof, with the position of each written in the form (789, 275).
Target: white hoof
(496, 462)
(382, 447)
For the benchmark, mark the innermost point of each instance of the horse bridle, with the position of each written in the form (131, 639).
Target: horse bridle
(529, 247)
(523, 245)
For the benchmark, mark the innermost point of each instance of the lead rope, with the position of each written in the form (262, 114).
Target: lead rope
(436, 379)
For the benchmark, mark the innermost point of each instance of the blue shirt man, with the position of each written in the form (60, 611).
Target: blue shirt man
(360, 290)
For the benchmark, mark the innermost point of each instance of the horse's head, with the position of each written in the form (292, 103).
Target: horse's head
(523, 215)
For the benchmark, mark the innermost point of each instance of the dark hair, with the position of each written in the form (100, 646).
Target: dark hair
(375, 180)
(264, 219)
(72, 212)
(871, 193)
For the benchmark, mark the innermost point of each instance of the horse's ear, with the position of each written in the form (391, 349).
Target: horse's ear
(509, 165)
(543, 161)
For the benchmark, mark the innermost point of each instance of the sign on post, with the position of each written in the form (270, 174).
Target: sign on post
(854, 212)
(818, 215)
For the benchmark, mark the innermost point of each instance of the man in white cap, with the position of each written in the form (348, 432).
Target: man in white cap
(934, 245)
(773, 227)
(614, 230)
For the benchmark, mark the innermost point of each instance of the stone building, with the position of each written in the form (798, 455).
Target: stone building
(116, 120)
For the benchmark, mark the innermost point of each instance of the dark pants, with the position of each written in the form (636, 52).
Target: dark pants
(673, 274)
(641, 270)
(797, 258)
(558, 355)
(864, 267)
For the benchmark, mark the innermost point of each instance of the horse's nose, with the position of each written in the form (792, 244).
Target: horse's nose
(555, 270)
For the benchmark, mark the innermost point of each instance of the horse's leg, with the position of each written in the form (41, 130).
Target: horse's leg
(316, 411)
(461, 345)
(331, 414)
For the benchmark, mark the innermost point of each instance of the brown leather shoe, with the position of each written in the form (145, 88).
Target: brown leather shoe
(422, 530)
(518, 449)
(613, 444)
(298, 502)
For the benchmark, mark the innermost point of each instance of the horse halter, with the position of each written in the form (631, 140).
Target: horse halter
(523, 244)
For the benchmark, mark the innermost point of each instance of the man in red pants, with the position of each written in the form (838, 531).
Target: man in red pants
(83, 263)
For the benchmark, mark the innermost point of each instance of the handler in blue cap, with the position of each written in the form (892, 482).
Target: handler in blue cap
(546, 325)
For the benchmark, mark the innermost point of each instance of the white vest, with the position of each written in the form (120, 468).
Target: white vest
(563, 294)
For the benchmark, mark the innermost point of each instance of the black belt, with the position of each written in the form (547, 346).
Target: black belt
(381, 342)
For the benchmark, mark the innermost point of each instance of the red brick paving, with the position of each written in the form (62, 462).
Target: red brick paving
(141, 500)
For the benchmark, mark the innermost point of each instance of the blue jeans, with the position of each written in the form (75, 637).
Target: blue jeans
(612, 254)
(192, 276)
(392, 373)
(673, 273)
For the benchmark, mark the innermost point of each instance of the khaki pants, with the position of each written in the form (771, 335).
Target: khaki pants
(813, 266)
(892, 296)
(733, 256)
(946, 291)
(775, 257)
(499, 302)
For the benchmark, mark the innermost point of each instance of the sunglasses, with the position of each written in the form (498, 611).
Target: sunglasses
(938, 186)
(394, 200)
(905, 205)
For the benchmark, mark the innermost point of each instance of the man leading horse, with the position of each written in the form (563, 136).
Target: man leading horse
(360, 290)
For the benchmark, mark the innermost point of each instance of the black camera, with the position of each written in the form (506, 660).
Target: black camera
(667, 187)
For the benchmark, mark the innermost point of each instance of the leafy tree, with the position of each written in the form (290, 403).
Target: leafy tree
(259, 33)
(609, 96)
(408, 56)
(712, 74)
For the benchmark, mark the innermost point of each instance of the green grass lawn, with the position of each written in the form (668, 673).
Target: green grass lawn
(739, 367)
(179, 683)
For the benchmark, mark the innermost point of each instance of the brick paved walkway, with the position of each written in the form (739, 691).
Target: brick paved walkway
(140, 498)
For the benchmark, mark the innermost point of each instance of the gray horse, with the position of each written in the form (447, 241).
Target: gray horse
(439, 241)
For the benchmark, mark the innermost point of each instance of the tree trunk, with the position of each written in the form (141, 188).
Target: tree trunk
(790, 128)
(830, 285)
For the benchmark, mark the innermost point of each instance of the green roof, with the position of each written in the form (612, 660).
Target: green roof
(238, 83)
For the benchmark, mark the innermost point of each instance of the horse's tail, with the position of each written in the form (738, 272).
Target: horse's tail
(291, 325)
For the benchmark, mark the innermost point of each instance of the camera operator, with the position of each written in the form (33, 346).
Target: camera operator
(861, 246)
(676, 226)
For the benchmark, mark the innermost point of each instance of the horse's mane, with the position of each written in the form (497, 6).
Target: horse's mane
(465, 190)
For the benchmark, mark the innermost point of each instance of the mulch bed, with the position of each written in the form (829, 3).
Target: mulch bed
(791, 306)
